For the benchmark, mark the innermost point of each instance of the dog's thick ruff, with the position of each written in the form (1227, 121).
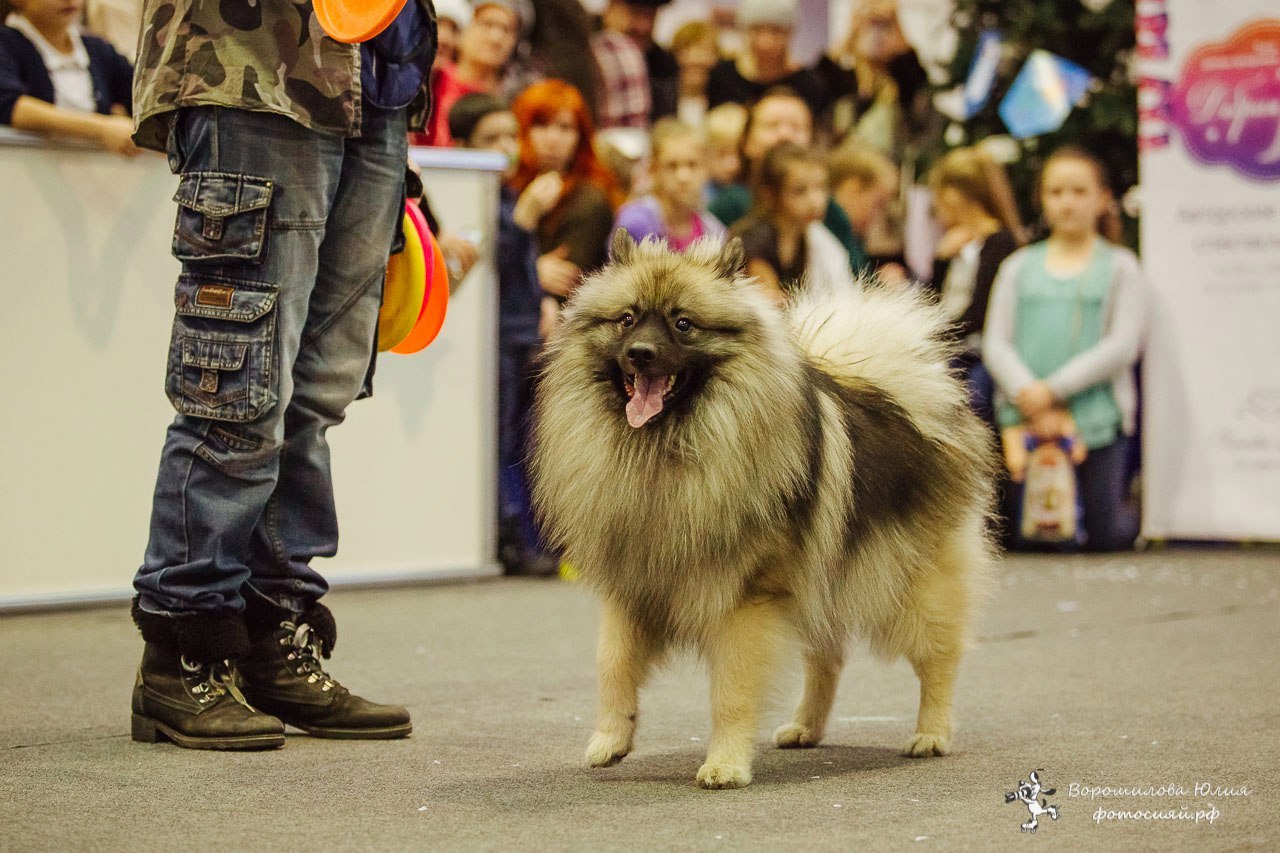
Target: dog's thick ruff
(197, 636)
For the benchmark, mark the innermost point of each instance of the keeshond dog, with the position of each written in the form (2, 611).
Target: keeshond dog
(743, 481)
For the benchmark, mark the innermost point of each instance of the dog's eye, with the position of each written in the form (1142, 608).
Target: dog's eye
(683, 324)
(627, 321)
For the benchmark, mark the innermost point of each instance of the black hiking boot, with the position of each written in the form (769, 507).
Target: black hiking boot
(181, 698)
(282, 675)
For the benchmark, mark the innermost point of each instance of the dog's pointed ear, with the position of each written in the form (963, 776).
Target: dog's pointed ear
(622, 248)
(732, 261)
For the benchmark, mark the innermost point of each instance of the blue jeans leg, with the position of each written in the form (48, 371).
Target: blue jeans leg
(300, 520)
(262, 303)
(1110, 519)
(515, 406)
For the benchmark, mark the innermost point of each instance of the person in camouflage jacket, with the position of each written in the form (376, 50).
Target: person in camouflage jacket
(290, 151)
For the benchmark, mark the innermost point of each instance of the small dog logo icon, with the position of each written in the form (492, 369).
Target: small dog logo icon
(1029, 793)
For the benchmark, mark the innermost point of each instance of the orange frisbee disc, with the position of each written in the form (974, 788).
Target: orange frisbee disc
(354, 21)
(434, 307)
(403, 290)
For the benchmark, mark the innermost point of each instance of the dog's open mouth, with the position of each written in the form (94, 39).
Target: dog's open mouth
(646, 395)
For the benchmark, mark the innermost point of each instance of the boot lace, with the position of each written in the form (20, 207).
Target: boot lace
(208, 682)
(305, 654)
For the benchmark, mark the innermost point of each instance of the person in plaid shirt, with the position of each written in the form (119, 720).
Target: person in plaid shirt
(624, 97)
(635, 19)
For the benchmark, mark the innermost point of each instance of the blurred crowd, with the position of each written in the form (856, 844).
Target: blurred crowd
(815, 164)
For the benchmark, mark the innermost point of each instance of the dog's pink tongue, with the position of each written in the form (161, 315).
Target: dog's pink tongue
(647, 401)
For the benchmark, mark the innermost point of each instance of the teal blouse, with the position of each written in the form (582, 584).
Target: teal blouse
(1057, 319)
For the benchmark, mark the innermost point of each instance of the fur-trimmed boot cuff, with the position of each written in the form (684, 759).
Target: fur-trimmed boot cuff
(321, 620)
(203, 637)
(264, 617)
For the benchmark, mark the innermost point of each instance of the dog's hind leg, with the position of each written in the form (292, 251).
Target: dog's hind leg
(937, 674)
(936, 627)
(938, 615)
(624, 660)
(741, 656)
(821, 676)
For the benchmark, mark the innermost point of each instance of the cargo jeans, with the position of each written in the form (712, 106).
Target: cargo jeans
(283, 234)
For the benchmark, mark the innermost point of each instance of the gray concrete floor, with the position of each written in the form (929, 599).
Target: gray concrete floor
(1136, 671)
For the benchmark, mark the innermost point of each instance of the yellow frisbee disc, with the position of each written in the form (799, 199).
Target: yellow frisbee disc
(403, 290)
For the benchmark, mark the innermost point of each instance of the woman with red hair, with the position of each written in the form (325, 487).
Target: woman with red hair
(581, 194)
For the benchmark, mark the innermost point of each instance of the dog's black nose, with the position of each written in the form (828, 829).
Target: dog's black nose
(641, 354)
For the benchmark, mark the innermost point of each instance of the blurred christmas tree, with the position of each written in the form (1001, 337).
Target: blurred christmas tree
(1095, 34)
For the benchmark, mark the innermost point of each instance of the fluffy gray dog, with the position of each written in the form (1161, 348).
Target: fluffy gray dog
(736, 479)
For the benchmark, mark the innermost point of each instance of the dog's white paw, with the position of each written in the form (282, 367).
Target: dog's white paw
(719, 776)
(924, 745)
(795, 736)
(606, 750)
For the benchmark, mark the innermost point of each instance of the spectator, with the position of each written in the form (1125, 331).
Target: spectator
(1063, 332)
(486, 122)
(780, 115)
(783, 236)
(973, 201)
(452, 17)
(56, 80)
(863, 181)
(678, 158)
(484, 51)
(766, 62)
(634, 18)
(696, 47)
(879, 84)
(624, 98)
(555, 137)
(725, 125)
(559, 46)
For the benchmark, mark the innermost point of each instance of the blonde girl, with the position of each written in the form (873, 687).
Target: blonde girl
(674, 210)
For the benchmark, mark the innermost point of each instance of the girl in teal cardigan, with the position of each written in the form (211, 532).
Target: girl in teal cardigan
(1063, 332)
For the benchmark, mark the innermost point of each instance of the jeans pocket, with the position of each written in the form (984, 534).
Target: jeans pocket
(223, 351)
(221, 217)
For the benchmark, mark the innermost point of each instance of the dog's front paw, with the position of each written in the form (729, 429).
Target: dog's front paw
(606, 750)
(924, 744)
(795, 736)
(718, 776)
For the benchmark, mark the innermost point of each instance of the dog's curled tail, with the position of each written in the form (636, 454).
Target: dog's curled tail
(894, 338)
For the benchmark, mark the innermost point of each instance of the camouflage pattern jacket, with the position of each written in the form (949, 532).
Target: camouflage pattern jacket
(260, 55)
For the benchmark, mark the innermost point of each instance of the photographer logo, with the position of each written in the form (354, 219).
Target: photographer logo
(1034, 796)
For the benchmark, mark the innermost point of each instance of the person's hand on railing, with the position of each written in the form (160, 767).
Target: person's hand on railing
(116, 135)
(460, 255)
(112, 132)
